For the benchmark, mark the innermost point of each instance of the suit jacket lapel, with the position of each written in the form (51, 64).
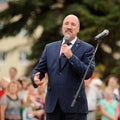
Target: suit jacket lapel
(57, 51)
(76, 46)
(62, 59)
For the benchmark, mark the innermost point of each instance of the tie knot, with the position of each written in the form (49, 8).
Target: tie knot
(69, 43)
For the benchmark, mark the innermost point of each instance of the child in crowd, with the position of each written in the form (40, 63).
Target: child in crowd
(108, 106)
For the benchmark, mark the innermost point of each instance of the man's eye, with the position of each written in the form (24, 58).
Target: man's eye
(66, 23)
(73, 24)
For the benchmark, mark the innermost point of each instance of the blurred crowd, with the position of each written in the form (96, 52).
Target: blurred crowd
(103, 97)
(19, 100)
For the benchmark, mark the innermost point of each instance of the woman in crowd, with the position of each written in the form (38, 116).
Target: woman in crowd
(10, 103)
(112, 82)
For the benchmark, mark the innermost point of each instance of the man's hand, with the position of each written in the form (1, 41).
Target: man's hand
(37, 80)
(65, 50)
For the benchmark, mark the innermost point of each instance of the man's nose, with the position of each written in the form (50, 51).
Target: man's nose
(69, 26)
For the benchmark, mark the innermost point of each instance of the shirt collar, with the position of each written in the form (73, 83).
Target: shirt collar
(73, 41)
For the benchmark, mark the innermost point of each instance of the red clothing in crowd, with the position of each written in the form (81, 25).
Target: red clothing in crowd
(1, 93)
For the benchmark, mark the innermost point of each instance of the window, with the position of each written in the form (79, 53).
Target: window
(2, 56)
(23, 56)
(23, 32)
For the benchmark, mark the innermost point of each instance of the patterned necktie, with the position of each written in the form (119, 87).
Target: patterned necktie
(63, 59)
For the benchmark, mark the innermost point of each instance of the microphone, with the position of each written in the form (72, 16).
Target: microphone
(66, 39)
(102, 34)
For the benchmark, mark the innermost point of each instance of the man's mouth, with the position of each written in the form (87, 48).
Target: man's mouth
(68, 31)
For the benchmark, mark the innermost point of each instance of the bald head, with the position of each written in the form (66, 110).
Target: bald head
(71, 16)
(71, 26)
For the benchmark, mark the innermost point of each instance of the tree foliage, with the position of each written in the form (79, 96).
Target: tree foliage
(94, 15)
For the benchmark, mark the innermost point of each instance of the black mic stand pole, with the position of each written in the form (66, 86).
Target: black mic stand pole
(77, 97)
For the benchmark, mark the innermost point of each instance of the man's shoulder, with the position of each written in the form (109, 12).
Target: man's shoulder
(86, 44)
(54, 43)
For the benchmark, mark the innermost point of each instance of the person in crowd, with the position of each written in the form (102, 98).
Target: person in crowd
(28, 104)
(24, 81)
(119, 110)
(117, 92)
(112, 82)
(3, 86)
(108, 106)
(96, 75)
(99, 84)
(10, 103)
(93, 97)
(39, 104)
(65, 61)
(13, 73)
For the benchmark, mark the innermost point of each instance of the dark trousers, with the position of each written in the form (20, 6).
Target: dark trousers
(58, 114)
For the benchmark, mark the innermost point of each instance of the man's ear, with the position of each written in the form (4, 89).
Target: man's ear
(78, 30)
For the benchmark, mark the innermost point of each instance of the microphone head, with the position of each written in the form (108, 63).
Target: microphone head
(102, 34)
(106, 31)
(66, 37)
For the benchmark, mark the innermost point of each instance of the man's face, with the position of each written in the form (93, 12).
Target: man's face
(12, 73)
(70, 26)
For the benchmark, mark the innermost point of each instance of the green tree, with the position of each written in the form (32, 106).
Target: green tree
(94, 15)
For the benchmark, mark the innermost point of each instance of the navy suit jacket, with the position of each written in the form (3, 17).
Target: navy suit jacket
(63, 83)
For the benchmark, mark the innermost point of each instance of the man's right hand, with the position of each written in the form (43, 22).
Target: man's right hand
(37, 80)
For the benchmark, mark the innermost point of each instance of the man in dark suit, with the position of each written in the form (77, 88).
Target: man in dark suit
(64, 78)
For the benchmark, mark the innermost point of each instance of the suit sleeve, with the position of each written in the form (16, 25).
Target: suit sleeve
(40, 67)
(80, 65)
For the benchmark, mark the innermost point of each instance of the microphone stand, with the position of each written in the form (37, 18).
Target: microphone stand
(77, 96)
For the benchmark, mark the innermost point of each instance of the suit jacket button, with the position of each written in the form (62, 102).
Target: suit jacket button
(60, 73)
